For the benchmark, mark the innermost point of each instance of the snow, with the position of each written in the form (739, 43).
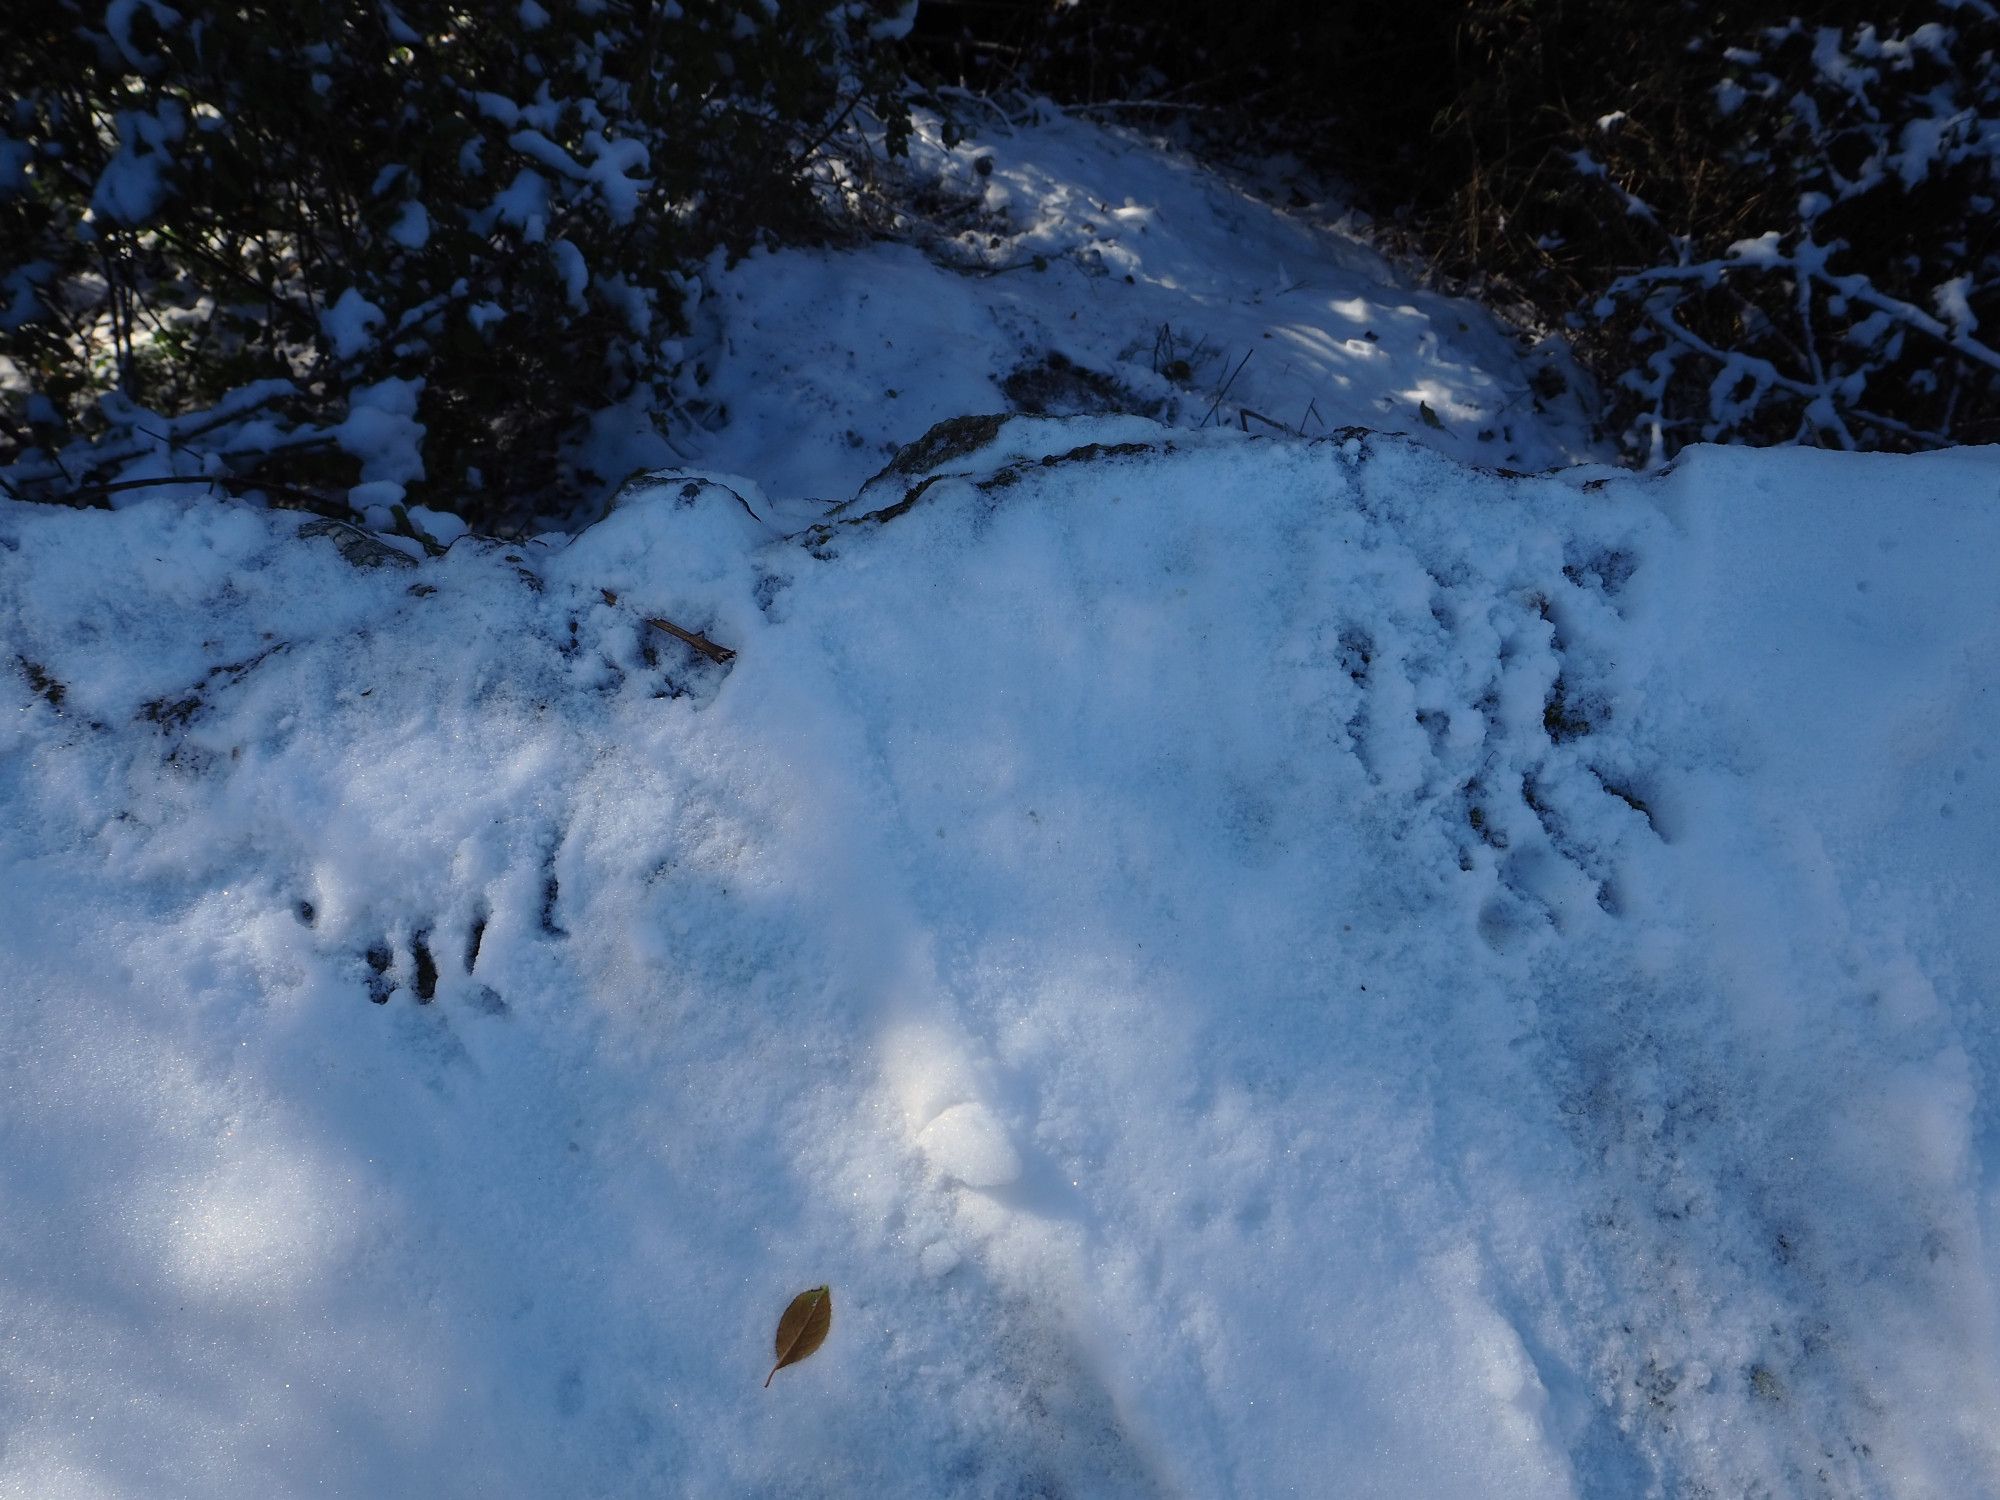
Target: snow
(381, 429)
(1953, 305)
(1094, 270)
(571, 268)
(375, 500)
(895, 27)
(412, 229)
(134, 181)
(23, 296)
(968, 1144)
(1251, 964)
(118, 18)
(497, 107)
(524, 202)
(15, 157)
(350, 324)
(611, 160)
(440, 526)
(1241, 961)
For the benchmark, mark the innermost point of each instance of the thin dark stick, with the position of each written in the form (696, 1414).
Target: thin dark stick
(1245, 416)
(1229, 382)
(700, 643)
(237, 482)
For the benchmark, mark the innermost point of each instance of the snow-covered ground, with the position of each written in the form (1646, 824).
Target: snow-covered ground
(1083, 270)
(1251, 966)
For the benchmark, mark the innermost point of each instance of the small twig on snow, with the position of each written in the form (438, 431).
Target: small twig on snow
(1228, 383)
(1245, 416)
(310, 499)
(700, 642)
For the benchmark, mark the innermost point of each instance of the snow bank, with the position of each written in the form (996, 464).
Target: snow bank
(1068, 267)
(1250, 967)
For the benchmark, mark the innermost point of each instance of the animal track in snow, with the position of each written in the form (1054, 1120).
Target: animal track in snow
(389, 965)
(1491, 691)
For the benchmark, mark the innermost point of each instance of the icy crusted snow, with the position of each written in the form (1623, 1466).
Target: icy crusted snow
(1250, 967)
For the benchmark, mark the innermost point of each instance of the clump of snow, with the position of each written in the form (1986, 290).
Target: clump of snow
(571, 268)
(1955, 307)
(440, 526)
(1251, 967)
(350, 324)
(412, 229)
(134, 181)
(966, 1143)
(375, 501)
(381, 429)
(524, 202)
(896, 26)
(611, 161)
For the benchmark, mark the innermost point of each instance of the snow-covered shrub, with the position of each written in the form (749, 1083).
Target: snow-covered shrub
(388, 246)
(1757, 228)
(1851, 295)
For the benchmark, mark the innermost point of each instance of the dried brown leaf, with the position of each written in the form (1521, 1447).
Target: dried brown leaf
(803, 1328)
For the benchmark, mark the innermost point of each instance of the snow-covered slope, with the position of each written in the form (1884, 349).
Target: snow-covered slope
(1250, 967)
(1070, 268)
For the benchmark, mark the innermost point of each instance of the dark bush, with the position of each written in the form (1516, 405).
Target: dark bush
(424, 248)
